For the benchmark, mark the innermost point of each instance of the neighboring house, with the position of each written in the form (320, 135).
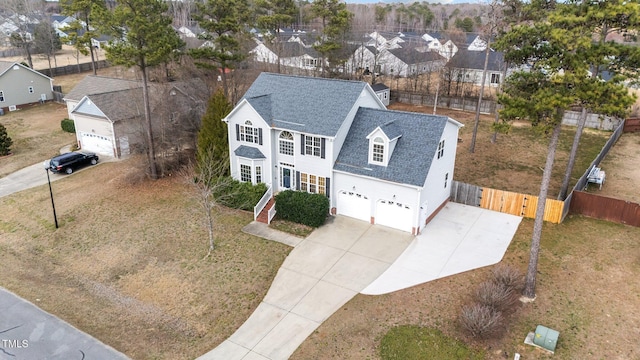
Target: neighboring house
(108, 113)
(468, 66)
(292, 53)
(20, 85)
(382, 92)
(335, 137)
(401, 62)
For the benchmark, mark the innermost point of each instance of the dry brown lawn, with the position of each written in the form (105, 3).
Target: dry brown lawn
(127, 265)
(36, 135)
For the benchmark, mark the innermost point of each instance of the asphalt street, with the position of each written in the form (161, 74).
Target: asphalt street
(27, 332)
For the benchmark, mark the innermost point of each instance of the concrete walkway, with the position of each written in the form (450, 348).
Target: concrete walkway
(27, 332)
(321, 274)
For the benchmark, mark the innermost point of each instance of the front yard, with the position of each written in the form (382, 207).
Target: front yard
(127, 263)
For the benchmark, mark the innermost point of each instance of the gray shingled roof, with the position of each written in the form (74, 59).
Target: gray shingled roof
(379, 86)
(92, 84)
(249, 152)
(411, 56)
(119, 105)
(392, 130)
(414, 151)
(465, 59)
(305, 104)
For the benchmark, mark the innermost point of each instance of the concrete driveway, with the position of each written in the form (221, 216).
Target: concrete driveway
(31, 176)
(458, 239)
(349, 256)
(321, 274)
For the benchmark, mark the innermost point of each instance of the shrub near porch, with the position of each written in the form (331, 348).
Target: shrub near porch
(301, 207)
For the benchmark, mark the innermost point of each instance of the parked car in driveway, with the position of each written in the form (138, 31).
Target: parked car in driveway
(70, 161)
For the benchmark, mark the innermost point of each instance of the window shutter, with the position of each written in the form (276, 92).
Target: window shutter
(238, 132)
(298, 179)
(260, 136)
(301, 144)
(322, 145)
(327, 185)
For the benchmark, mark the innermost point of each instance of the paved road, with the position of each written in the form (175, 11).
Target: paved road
(26, 332)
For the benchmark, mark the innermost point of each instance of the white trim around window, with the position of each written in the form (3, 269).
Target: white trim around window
(312, 183)
(440, 149)
(285, 143)
(250, 171)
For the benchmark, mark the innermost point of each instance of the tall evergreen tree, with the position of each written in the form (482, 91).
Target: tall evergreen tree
(143, 37)
(213, 138)
(224, 22)
(82, 31)
(557, 80)
(602, 19)
(272, 16)
(336, 21)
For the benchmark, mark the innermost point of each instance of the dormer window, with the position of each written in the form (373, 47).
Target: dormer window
(378, 150)
(382, 142)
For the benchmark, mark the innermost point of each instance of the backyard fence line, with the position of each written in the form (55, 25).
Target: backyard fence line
(525, 205)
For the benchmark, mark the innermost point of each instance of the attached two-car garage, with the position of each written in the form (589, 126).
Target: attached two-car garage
(388, 213)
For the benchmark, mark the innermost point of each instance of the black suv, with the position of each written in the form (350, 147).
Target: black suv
(70, 161)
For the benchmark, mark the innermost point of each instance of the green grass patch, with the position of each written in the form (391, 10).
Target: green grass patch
(291, 227)
(414, 342)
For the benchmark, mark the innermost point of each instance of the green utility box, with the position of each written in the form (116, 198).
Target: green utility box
(546, 338)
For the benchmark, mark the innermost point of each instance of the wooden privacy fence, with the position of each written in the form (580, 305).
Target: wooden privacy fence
(600, 207)
(505, 201)
(520, 204)
(632, 125)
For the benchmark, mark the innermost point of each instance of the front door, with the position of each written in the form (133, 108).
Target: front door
(285, 177)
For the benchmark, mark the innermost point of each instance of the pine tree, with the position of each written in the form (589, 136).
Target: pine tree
(558, 78)
(5, 141)
(143, 38)
(213, 131)
(224, 22)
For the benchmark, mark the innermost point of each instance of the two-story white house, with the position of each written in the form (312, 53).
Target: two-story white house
(335, 137)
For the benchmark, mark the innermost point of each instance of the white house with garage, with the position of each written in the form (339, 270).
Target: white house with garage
(336, 137)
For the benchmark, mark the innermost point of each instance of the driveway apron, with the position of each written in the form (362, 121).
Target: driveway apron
(322, 273)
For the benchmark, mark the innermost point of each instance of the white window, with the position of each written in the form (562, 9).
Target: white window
(30, 89)
(245, 173)
(286, 143)
(441, 149)
(495, 78)
(312, 145)
(378, 150)
(310, 62)
(446, 179)
(248, 133)
(312, 183)
(1, 96)
(259, 174)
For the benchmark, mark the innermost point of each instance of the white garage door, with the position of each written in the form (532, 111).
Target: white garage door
(394, 215)
(354, 205)
(96, 143)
